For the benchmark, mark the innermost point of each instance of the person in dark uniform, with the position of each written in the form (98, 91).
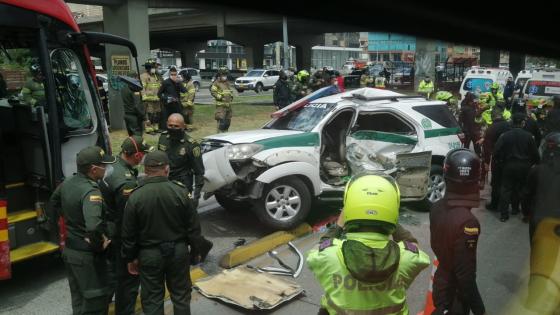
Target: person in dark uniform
(134, 114)
(170, 95)
(282, 95)
(542, 195)
(80, 203)
(184, 155)
(466, 119)
(517, 152)
(159, 224)
(552, 120)
(454, 233)
(116, 187)
(496, 129)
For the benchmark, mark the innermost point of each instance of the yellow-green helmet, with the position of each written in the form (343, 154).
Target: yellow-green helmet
(223, 70)
(443, 95)
(372, 199)
(302, 74)
(495, 86)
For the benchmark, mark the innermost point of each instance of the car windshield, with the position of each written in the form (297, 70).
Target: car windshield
(542, 88)
(304, 119)
(480, 85)
(521, 83)
(254, 73)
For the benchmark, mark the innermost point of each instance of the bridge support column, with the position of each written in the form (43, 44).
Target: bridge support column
(489, 57)
(425, 61)
(129, 20)
(516, 62)
(255, 54)
(304, 51)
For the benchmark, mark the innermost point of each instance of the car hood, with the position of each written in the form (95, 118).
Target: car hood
(248, 78)
(250, 136)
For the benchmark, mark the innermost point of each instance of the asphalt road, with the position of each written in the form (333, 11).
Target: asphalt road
(39, 286)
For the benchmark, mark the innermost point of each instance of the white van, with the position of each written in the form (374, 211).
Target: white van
(522, 78)
(479, 80)
(542, 86)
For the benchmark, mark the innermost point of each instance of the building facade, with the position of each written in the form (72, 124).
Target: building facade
(397, 47)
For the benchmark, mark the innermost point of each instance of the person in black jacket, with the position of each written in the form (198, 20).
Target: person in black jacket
(169, 93)
(454, 233)
(552, 120)
(509, 88)
(468, 125)
(282, 95)
(498, 127)
(517, 150)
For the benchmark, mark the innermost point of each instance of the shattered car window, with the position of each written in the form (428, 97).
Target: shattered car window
(304, 119)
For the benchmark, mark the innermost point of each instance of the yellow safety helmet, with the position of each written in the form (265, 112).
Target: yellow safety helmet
(302, 74)
(372, 199)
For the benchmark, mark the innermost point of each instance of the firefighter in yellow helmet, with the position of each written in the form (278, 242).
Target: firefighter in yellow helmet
(366, 271)
(223, 94)
(151, 81)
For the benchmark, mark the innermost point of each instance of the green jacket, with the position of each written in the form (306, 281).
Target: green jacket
(185, 158)
(33, 92)
(116, 189)
(379, 290)
(158, 211)
(187, 99)
(79, 200)
(132, 102)
(222, 93)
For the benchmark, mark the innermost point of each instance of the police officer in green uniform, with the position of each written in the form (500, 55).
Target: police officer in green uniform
(184, 155)
(33, 91)
(80, 202)
(160, 223)
(365, 272)
(134, 114)
(116, 187)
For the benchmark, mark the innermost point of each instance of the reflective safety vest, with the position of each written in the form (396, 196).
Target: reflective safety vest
(344, 294)
(365, 80)
(151, 83)
(33, 92)
(426, 88)
(490, 99)
(380, 82)
(486, 117)
(187, 99)
(222, 93)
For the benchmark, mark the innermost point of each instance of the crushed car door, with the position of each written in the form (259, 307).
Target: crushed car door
(376, 139)
(412, 174)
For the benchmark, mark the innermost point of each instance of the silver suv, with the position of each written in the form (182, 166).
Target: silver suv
(258, 80)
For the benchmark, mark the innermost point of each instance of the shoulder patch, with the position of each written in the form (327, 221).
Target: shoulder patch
(95, 198)
(411, 247)
(471, 230)
(178, 183)
(162, 147)
(325, 244)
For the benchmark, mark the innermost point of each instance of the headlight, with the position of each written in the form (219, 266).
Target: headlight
(240, 152)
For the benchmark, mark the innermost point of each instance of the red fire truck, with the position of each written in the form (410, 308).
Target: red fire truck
(39, 139)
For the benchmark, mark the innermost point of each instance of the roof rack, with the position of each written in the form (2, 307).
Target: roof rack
(392, 98)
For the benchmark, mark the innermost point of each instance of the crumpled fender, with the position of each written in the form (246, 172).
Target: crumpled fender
(293, 168)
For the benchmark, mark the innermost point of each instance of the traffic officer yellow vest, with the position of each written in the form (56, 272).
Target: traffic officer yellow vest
(151, 85)
(345, 294)
(426, 88)
(380, 82)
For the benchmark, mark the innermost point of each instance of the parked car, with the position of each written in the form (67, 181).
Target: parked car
(195, 75)
(258, 80)
(309, 149)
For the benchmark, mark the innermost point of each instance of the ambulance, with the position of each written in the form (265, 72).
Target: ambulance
(541, 87)
(479, 80)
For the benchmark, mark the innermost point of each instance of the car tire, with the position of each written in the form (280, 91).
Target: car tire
(259, 87)
(232, 204)
(196, 86)
(239, 91)
(284, 204)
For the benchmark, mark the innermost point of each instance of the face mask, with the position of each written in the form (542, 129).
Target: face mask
(175, 133)
(153, 71)
(108, 172)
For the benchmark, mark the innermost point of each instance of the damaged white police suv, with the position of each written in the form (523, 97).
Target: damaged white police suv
(309, 150)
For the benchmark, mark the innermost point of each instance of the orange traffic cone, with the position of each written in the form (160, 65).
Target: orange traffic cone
(429, 308)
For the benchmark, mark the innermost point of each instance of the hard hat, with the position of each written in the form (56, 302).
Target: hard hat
(302, 74)
(461, 166)
(150, 63)
(495, 86)
(35, 68)
(186, 76)
(370, 198)
(223, 70)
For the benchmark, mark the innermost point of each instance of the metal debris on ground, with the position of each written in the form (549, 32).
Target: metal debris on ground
(248, 288)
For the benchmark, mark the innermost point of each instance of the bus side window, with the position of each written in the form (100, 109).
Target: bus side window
(73, 96)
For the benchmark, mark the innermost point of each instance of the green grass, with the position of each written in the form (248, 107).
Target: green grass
(245, 117)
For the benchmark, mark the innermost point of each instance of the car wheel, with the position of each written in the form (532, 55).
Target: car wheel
(196, 86)
(239, 90)
(436, 186)
(259, 87)
(284, 204)
(232, 204)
